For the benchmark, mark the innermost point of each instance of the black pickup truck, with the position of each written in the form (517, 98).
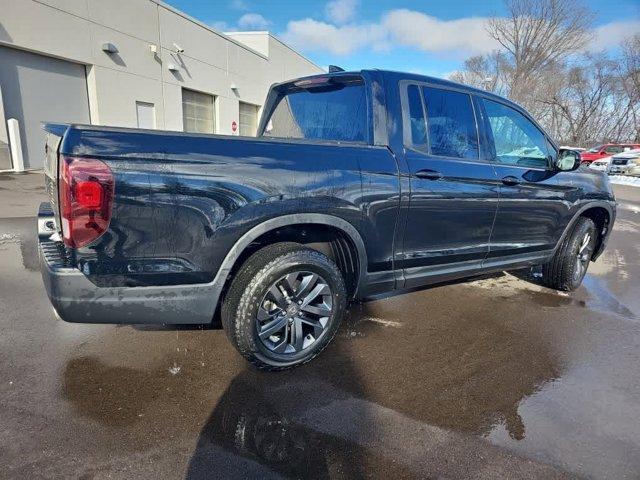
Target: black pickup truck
(358, 184)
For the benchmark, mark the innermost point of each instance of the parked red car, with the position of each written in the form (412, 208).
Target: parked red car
(605, 150)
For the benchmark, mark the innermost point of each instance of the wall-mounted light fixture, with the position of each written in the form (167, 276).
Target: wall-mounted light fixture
(173, 67)
(178, 48)
(153, 48)
(109, 48)
(234, 87)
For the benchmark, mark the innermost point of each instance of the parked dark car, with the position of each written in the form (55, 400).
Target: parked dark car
(357, 184)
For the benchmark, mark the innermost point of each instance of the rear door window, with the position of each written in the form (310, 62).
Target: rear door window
(441, 122)
(334, 110)
(517, 140)
(452, 124)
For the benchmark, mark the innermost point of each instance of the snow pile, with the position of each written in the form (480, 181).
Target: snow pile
(624, 180)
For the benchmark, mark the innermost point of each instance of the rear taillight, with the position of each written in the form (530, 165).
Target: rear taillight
(86, 198)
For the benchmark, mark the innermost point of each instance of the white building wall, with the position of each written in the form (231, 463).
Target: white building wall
(75, 30)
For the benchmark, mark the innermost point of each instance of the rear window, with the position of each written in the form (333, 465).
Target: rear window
(335, 110)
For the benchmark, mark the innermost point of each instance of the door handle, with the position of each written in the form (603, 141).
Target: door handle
(429, 174)
(510, 180)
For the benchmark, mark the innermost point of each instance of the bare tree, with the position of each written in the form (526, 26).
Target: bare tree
(630, 75)
(486, 72)
(536, 35)
(580, 98)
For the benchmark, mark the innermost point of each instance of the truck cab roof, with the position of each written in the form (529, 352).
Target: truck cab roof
(395, 76)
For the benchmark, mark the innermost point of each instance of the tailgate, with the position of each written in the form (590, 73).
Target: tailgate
(55, 132)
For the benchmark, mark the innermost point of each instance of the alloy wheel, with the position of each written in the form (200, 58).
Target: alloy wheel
(294, 313)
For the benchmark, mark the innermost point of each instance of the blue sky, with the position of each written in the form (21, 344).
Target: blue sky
(430, 37)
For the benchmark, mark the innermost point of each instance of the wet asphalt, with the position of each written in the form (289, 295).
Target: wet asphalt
(492, 378)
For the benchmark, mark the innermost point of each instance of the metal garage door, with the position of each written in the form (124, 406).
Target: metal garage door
(35, 89)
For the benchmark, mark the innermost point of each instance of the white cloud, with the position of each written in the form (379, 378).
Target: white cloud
(396, 28)
(239, 5)
(253, 21)
(416, 30)
(312, 35)
(423, 32)
(612, 34)
(341, 11)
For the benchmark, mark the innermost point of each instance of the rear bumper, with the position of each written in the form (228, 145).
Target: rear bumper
(76, 299)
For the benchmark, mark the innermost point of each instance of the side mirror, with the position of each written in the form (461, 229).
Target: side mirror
(568, 160)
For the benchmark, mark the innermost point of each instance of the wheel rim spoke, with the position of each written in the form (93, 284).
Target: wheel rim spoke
(294, 312)
(320, 310)
(291, 281)
(272, 327)
(584, 255)
(585, 243)
(281, 345)
(263, 315)
(317, 290)
(315, 324)
(297, 334)
(277, 296)
(307, 283)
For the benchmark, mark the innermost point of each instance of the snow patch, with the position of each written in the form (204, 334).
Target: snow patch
(624, 180)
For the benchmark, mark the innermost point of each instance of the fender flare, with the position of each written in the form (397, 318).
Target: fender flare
(284, 221)
(601, 204)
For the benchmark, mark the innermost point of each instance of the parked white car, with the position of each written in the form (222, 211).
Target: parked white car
(602, 165)
(625, 163)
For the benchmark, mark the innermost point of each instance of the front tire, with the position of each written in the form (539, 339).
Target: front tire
(284, 306)
(568, 266)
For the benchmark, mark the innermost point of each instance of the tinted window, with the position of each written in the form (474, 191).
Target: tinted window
(416, 117)
(452, 126)
(336, 111)
(613, 150)
(517, 140)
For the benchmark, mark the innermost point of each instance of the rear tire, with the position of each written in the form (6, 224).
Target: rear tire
(284, 306)
(568, 266)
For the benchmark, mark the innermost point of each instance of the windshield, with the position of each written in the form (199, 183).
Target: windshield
(595, 149)
(332, 109)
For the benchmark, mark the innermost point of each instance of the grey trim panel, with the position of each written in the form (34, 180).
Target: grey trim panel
(425, 275)
(519, 260)
(76, 299)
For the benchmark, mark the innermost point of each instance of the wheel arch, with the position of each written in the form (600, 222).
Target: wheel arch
(602, 215)
(246, 244)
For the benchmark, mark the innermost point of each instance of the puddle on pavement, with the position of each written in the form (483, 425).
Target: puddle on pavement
(467, 374)
(603, 300)
(594, 293)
